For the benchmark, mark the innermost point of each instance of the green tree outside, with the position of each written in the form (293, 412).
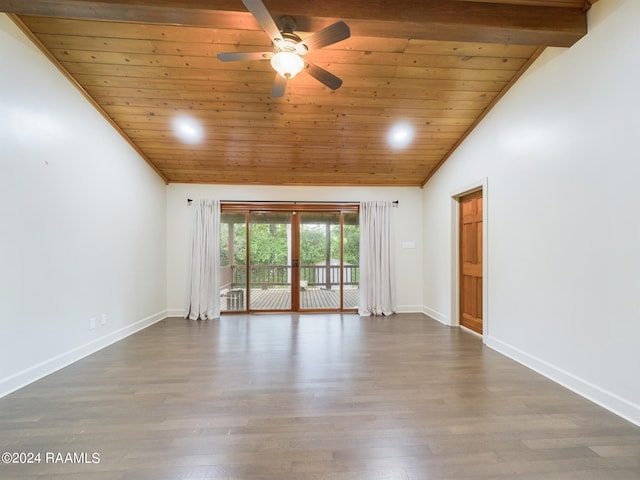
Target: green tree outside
(269, 241)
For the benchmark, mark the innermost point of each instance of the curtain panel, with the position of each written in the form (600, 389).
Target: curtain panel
(377, 294)
(204, 284)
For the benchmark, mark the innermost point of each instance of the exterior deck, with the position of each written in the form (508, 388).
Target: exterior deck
(280, 299)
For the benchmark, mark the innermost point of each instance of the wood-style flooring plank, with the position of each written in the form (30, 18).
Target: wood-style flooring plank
(310, 397)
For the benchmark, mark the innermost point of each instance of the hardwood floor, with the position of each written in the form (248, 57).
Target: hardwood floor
(310, 397)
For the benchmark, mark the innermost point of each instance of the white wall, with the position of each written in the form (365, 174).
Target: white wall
(406, 219)
(560, 155)
(82, 222)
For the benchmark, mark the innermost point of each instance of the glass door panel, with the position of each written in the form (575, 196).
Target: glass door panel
(233, 261)
(320, 260)
(351, 260)
(270, 259)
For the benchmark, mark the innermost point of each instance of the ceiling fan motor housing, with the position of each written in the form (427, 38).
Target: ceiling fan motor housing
(287, 24)
(290, 41)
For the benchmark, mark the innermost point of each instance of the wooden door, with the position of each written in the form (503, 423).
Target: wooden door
(471, 261)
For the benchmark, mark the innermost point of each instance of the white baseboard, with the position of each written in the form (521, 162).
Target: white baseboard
(608, 400)
(29, 375)
(440, 317)
(408, 309)
(176, 312)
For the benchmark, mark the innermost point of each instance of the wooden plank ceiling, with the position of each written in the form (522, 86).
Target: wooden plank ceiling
(437, 65)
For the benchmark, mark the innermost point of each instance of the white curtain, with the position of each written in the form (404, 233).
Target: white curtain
(204, 289)
(377, 295)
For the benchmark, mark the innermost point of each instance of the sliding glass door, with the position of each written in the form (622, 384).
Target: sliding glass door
(271, 258)
(233, 261)
(320, 260)
(350, 260)
(290, 258)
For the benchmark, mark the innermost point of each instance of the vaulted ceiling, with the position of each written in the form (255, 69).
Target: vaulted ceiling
(437, 66)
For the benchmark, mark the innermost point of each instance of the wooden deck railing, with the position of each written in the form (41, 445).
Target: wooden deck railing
(266, 276)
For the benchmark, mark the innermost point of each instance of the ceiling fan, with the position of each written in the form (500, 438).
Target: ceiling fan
(288, 48)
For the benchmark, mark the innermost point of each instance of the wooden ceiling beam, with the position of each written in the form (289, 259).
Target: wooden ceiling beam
(447, 20)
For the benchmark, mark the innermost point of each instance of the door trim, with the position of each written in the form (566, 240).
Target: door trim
(454, 319)
(294, 209)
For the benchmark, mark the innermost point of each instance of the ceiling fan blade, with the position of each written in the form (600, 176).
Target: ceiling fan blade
(264, 18)
(279, 84)
(324, 77)
(239, 56)
(327, 36)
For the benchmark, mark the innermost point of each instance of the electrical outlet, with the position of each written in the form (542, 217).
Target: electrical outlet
(92, 323)
(103, 319)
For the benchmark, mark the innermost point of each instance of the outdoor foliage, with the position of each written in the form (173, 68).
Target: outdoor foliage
(269, 243)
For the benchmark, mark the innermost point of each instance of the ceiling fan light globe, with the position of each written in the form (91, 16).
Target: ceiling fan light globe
(287, 64)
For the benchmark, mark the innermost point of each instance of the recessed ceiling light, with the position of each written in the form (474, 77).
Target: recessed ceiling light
(188, 129)
(401, 135)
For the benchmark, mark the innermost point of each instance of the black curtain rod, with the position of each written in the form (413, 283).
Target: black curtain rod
(189, 200)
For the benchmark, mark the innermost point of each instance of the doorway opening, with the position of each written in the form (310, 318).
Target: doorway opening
(289, 257)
